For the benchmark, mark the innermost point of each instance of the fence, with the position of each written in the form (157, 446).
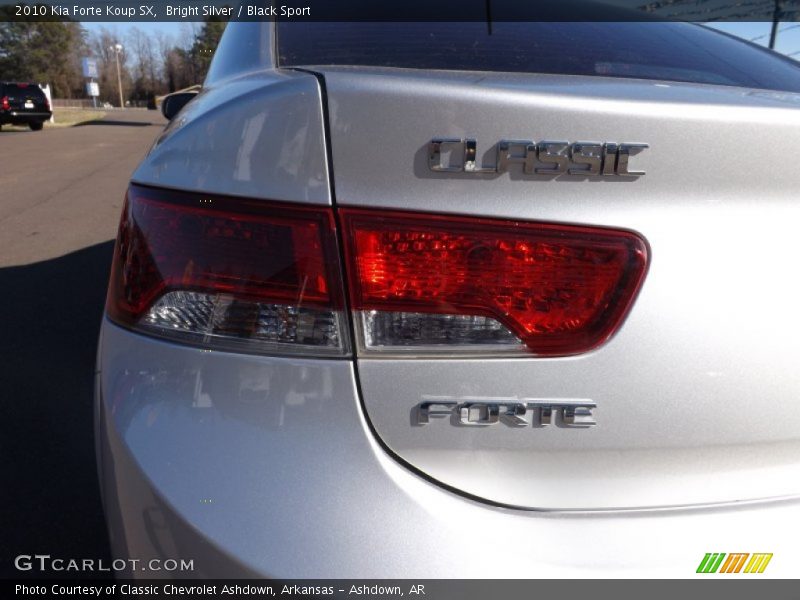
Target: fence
(77, 103)
(82, 103)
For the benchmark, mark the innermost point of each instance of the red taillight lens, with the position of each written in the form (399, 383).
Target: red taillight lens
(266, 277)
(442, 283)
(5, 103)
(228, 272)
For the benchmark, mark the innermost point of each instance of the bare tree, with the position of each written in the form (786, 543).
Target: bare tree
(102, 44)
(146, 68)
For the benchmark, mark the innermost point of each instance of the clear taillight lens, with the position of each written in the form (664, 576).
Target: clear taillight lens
(229, 273)
(388, 331)
(426, 283)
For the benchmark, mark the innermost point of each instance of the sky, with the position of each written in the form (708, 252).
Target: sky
(123, 29)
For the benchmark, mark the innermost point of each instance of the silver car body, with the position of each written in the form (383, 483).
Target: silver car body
(302, 467)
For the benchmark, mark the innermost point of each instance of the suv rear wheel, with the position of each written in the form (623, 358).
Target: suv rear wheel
(36, 125)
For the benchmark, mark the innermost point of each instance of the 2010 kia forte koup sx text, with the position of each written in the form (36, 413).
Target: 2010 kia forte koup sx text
(398, 300)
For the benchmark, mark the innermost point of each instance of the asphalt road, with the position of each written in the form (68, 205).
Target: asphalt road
(61, 192)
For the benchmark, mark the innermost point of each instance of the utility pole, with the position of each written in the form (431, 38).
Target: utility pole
(776, 17)
(116, 49)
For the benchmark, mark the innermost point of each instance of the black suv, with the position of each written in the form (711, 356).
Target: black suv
(23, 104)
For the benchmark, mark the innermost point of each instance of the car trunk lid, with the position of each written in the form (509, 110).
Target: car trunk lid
(700, 382)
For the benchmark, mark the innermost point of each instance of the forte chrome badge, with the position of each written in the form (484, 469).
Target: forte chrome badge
(457, 155)
(533, 412)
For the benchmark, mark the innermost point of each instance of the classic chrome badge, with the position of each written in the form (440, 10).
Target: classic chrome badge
(525, 412)
(457, 155)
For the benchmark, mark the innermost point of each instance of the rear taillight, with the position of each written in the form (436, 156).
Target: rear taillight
(4, 103)
(424, 283)
(230, 273)
(266, 277)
